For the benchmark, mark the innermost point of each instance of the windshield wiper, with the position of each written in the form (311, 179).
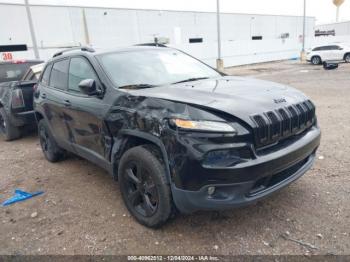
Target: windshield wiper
(190, 80)
(137, 86)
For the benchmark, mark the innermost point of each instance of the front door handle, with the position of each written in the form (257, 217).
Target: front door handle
(43, 95)
(66, 103)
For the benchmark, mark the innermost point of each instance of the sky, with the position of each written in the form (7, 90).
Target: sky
(323, 10)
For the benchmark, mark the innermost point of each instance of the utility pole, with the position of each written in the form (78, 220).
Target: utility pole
(31, 28)
(219, 61)
(86, 30)
(302, 56)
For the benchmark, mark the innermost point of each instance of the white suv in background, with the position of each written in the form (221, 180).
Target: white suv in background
(332, 52)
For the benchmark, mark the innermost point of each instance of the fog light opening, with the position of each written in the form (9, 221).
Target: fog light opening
(211, 190)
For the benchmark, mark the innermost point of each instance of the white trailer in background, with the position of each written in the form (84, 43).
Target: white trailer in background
(245, 38)
(333, 33)
(334, 29)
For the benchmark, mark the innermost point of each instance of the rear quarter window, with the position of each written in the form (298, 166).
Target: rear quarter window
(59, 74)
(46, 75)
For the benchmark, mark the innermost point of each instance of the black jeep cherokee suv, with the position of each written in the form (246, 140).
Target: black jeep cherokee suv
(177, 134)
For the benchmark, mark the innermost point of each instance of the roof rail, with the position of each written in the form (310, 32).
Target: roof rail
(82, 48)
(152, 44)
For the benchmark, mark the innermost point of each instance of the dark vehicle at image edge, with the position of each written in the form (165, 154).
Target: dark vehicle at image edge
(17, 79)
(175, 133)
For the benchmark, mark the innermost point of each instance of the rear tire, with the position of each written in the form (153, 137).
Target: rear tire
(51, 150)
(9, 131)
(144, 187)
(316, 60)
(347, 58)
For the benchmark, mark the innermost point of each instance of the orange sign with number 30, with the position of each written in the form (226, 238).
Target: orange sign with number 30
(7, 56)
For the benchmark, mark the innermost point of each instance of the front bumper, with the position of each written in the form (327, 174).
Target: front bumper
(253, 180)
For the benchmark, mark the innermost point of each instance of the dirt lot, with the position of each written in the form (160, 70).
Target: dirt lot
(81, 211)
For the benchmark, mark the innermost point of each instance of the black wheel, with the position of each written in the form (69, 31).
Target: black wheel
(316, 60)
(144, 188)
(51, 150)
(347, 58)
(7, 130)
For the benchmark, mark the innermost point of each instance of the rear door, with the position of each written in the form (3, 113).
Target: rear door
(332, 53)
(90, 136)
(54, 100)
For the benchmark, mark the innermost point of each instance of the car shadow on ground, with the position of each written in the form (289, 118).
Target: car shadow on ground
(254, 218)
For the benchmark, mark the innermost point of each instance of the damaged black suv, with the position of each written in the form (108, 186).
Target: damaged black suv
(174, 132)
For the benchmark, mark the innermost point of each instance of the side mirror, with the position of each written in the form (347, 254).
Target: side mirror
(88, 87)
(330, 66)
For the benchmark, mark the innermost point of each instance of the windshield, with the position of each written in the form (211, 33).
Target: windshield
(153, 67)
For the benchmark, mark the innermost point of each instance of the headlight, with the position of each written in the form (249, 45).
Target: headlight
(209, 126)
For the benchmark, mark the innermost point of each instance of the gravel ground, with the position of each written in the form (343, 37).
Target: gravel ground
(81, 211)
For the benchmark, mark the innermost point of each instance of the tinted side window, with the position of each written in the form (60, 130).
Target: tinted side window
(46, 75)
(321, 48)
(59, 74)
(79, 69)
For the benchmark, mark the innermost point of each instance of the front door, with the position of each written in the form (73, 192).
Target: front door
(89, 134)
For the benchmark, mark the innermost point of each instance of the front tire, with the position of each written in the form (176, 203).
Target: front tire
(51, 150)
(9, 131)
(316, 60)
(144, 187)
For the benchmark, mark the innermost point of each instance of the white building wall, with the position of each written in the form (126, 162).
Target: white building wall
(58, 27)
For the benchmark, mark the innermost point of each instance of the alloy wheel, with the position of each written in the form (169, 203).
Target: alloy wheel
(347, 59)
(316, 60)
(141, 191)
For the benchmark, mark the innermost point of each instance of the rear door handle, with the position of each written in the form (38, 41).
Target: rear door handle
(66, 103)
(43, 95)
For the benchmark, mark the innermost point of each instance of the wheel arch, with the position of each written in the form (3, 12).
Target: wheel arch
(318, 57)
(346, 54)
(131, 138)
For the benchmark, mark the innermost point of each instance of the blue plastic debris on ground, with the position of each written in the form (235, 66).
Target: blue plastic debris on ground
(20, 196)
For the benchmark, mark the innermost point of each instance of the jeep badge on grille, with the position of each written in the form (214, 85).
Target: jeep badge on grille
(280, 100)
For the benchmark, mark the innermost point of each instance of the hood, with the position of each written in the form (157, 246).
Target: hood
(238, 96)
